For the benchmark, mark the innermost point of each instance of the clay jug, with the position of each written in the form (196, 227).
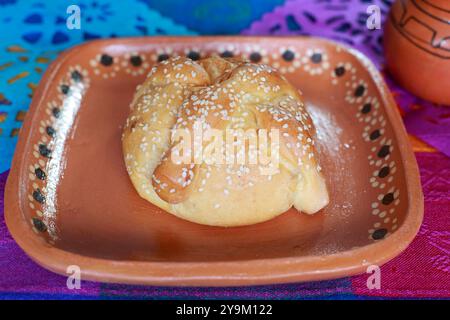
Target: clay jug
(417, 47)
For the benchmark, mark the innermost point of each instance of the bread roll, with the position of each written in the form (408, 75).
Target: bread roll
(222, 142)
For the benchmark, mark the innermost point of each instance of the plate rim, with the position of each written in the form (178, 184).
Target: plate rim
(231, 273)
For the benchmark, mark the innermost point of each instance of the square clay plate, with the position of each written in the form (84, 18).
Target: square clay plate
(69, 200)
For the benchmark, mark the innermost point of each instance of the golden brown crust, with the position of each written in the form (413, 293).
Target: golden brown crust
(215, 93)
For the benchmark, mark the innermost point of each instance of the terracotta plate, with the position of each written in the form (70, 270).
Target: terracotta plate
(69, 200)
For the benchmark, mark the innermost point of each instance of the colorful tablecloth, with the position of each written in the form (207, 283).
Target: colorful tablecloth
(33, 32)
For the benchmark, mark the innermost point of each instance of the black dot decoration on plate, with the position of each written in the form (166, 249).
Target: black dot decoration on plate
(288, 55)
(339, 71)
(384, 172)
(359, 91)
(136, 61)
(388, 198)
(193, 55)
(40, 174)
(76, 76)
(255, 57)
(65, 88)
(366, 108)
(39, 225)
(56, 112)
(379, 234)
(38, 196)
(162, 57)
(227, 54)
(375, 135)
(50, 131)
(106, 60)
(384, 151)
(316, 57)
(44, 151)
